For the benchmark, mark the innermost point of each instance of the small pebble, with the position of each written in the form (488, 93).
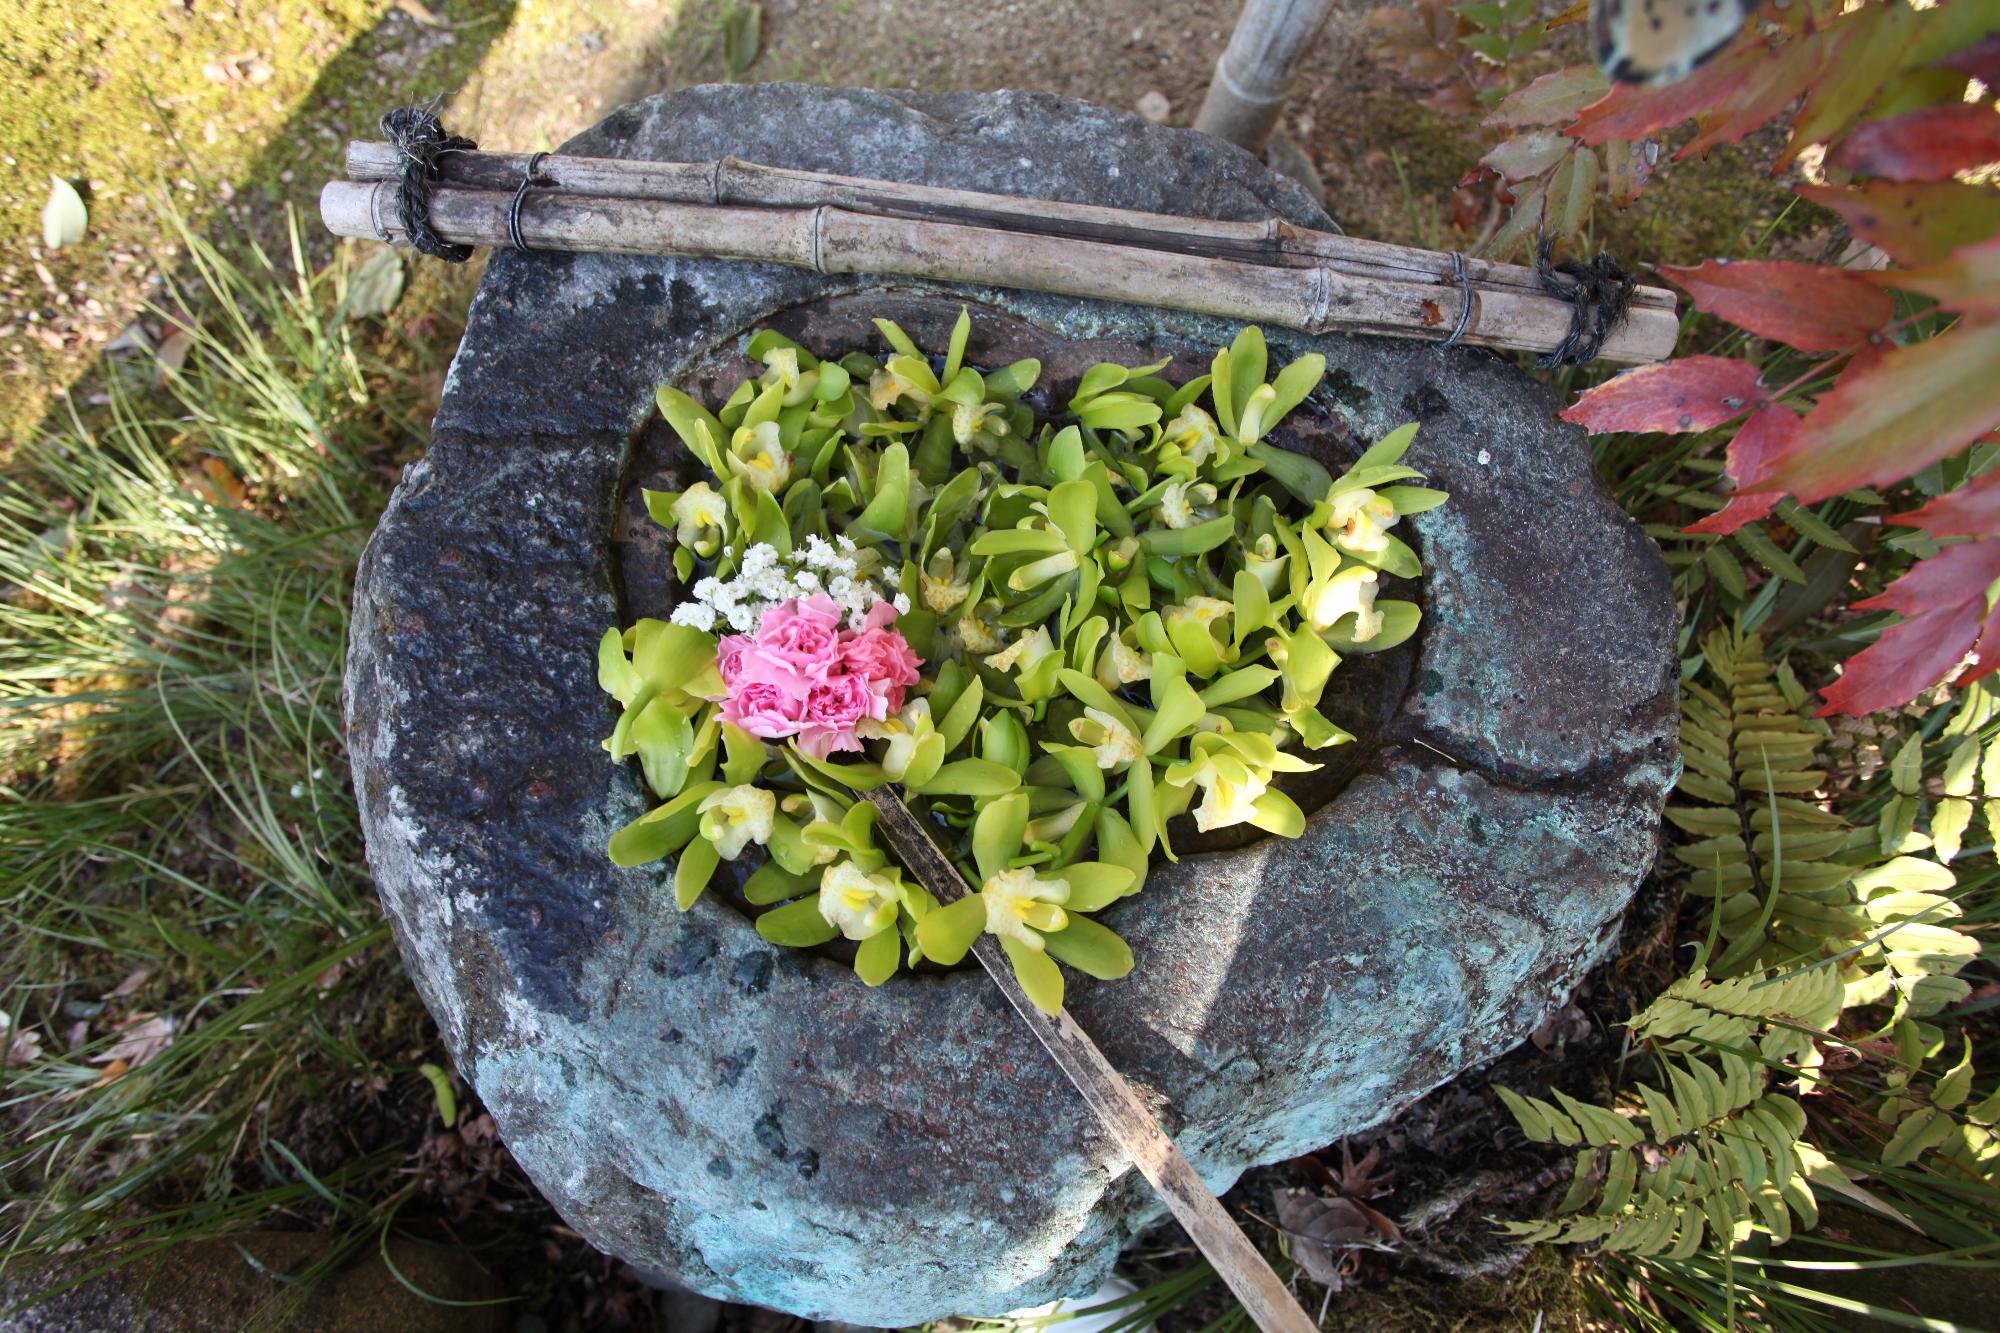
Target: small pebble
(1484, 458)
(1154, 106)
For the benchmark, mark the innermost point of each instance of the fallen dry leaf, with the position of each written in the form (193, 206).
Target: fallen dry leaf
(129, 986)
(1326, 1233)
(24, 1047)
(1357, 1180)
(140, 1037)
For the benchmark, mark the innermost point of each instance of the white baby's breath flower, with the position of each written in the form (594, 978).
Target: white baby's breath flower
(695, 615)
(735, 817)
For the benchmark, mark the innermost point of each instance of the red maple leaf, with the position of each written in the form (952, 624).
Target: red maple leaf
(1908, 409)
(1970, 511)
(1768, 433)
(1981, 61)
(1968, 281)
(1928, 144)
(1811, 306)
(1634, 111)
(1916, 222)
(1944, 600)
(1692, 394)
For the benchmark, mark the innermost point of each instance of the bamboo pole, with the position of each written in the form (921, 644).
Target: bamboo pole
(1117, 1103)
(734, 181)
(1315, 298)
(1254, 74)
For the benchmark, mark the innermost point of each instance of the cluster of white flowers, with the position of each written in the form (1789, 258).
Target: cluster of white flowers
(838, 568)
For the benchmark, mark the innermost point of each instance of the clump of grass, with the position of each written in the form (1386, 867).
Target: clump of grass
(175, 578)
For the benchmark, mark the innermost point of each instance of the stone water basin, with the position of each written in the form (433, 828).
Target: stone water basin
(751, 1121)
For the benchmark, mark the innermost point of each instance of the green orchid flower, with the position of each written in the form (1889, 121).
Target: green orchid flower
(1033, 912)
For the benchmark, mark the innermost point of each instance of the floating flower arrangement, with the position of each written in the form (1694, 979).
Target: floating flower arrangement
(1056, 636)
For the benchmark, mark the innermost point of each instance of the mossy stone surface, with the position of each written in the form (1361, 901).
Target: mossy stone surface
(753, 1121)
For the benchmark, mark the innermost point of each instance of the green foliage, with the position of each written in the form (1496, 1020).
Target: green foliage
(1821, 939)
(193, 953)
(1115, 613)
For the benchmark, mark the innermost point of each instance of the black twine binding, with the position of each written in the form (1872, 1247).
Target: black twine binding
(1598, 293)
(1465, 299)
(528, 178)
(420, 140)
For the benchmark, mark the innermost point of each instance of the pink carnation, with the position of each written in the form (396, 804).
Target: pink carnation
(804, 635)
(763, 709)
(729, 651)
(833, 707)
(884, 659)
(800, 675)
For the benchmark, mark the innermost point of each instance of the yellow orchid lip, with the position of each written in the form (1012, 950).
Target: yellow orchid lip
(1019, 904)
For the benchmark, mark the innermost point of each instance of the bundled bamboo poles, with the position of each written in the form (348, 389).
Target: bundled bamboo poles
(1267, 272)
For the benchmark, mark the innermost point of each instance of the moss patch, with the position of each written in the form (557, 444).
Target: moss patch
(232, 108)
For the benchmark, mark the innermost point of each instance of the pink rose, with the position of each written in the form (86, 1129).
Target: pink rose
(803, 635)
(832, 708)
(764, 709)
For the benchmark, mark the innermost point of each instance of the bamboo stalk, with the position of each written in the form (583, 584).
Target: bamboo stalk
(733, 181)
(1117, 1103)
(1254, 74)
(1316, 299)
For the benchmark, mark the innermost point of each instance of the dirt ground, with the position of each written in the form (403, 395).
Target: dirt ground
(235, 110)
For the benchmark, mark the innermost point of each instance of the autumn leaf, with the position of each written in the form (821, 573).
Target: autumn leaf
(1627, 168)
(1969, 281)
(1325, 1232)
(1634, 111)
(64, 217)
(1768, 433)
(1866, 50)
(1928, 144)
(1916, 405)
(1692, 394)
(1972, 510)
(1570, 193)
(1516, 232)
(1811, 306)
(1944, 600)
(1774, 84)
(1528, 155)
(1915, 222)
(1981, 61)
(1552, 99)
(140, 1037)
